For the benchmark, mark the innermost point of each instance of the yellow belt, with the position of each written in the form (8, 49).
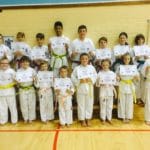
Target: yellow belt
(7, 86)
(129, 82)
(90, 88)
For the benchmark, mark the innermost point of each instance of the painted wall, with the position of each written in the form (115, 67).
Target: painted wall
(106, 21)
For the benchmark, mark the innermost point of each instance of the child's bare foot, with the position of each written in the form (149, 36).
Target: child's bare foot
(109, 121)
(25, 121)
(126, 120)
(83, 123)
(62, 126)
(88, 122)
(103, 122)
(68, 125)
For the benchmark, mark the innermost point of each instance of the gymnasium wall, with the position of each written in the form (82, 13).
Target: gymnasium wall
(105, 20)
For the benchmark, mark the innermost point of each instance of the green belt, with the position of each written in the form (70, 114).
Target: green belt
(26, 87)
(57, 57)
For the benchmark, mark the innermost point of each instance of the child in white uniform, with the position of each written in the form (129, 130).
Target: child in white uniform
(7, 93)
(81, 45)
(39, 52)
(4, 50)
(106, 90)
(64, 90)
(20, 48)
(25, 78)
(84, 77)
(126, 90)
(146, 74)
(59, 46)
(139, 60)
(44, 81)
(103, 52)
(120, 49)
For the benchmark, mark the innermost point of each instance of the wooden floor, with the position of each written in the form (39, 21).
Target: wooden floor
(38, 136)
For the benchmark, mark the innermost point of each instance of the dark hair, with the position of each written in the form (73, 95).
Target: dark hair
(2, 37)
(124, 34)
(3, 58)
(139, 36)
(106, 60)
(84, 54)
(40, 36)
(127, 54)
(25, 58)
(103, 39)
(82, 27)
(63, 67)
(58, 23)
(20, 34)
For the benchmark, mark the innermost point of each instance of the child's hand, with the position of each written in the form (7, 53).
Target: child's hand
(57, 91)
(89, 80)
(118, 78)
(74, 53)
(83, 80)
(69, 92)
(91, 53)
(136, 78)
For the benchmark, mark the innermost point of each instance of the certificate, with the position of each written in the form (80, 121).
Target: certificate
(103, 54)
(128, 70)
(108, 78)
(84, 73)
(37, 54)
(45, 76)
(63, 84)
(24, 77)
(141, 50)
(121, 50)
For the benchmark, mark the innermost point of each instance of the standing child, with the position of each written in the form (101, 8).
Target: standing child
(44, 81)
(141, 52)
(103, 52)
(146, 74)
(64, 90)
(58, 46)
(105, 81)
(126, 88)
(7, 93)
(39, 52)
(120, 49)
(80, 45)
(84, 76)
(4, 50)
(20, 48)
(25, 78)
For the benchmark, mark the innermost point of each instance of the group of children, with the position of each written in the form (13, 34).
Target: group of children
(43, 73)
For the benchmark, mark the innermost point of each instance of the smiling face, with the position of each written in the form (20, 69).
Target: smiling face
(141, 41)
(63, 72)
(39, 41)
(25, 64)
(84, 60)
(102, 44)
(122, 39)
(126, 59)
(105, 65)
(58, 30)
(44, 67)
(4, 64)
(82, 33)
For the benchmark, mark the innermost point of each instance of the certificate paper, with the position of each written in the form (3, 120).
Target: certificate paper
(128, 70)
(121, 50)
(45, 76)
(37, 54)
(141, 50)
(24, 77)
(108, 78)
(62, 84)
(85, 73)
(103, 54)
